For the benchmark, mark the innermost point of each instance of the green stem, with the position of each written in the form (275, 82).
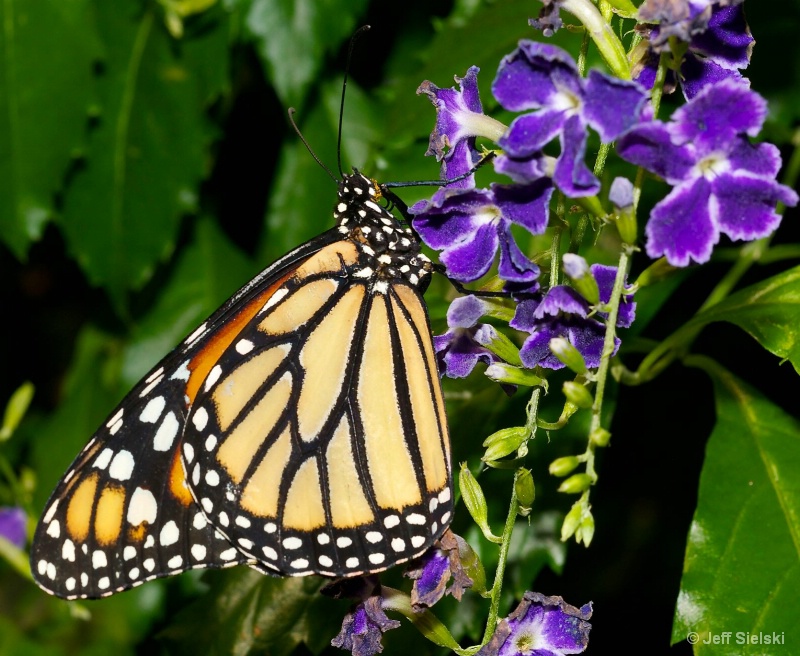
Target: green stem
(605, 358)
(497, 586)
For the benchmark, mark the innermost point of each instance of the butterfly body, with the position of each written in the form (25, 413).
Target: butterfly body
(299, 430)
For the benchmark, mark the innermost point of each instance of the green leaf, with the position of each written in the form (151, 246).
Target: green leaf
(742, 567)
(46, 53)
(147, 151)
(248, 613)
(293, 37)
(16, 408)
(768, 310)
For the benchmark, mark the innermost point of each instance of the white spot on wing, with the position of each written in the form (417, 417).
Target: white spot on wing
(417, 541)
(182, 372)
(292, 543)
(376, 558)
(274, 299)
(196, 334)
(200, 418)
(165, 435)
(198, 551)
(142, 507)
(244, 346)
(117, 416)
(213, 377)
(68, 551)
(103, 459)
(169, 534)
(54, 529)
(121, 466)
(391, 521)
(152, 411)
(99, 559)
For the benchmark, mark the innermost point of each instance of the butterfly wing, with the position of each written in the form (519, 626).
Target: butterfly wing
(300, 429)
(319, 442)
(123, 514)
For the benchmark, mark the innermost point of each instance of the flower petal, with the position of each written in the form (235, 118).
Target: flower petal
(747, 205)
(471, 259)
(650, 146)
(611, 105)
(572, 175)
(529, 133)
(681, 226)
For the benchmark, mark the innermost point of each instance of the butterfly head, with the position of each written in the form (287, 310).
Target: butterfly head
(391, 250)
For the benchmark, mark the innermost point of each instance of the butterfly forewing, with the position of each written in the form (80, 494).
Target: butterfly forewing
(299, 430)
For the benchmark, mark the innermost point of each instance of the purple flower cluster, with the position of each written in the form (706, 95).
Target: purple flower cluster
(563, 312)
(722, 183)
(470, 225)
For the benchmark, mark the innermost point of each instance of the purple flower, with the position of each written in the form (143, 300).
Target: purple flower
(720, 44)
(722, 183)
(470, 225)
(464, 345)
(541, 626)
(433, 571)
(364, 626)
(12, 525)
(459, 119)
(543, 77)
(563, 312)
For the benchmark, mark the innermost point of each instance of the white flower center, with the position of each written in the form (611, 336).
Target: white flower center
(711, 166)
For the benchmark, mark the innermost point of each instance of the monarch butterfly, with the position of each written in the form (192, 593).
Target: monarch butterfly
(299, 430)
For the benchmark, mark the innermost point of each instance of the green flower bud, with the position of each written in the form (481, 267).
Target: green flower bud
(585, 531)
(563, 466)
(506, 373)
(525, 491)
(499, 344)
(577, 394)
(568, 354)
(600, 437)
(575, 484)
(504, 442)
(475, 501)
(571, 521)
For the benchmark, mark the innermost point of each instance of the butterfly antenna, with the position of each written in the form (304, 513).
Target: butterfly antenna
(292, 112)
(353, 39)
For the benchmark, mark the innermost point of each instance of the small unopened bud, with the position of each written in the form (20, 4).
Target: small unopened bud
(600, 437)
(585, 531)
(506, 373)
(575, 484)
(571, 521)
(503, 442)
(568, 354)
(498, 343)
(621, 196)
(525, 490)
(578, 271)
(475, 501)
(563, 466)
(577, 394)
